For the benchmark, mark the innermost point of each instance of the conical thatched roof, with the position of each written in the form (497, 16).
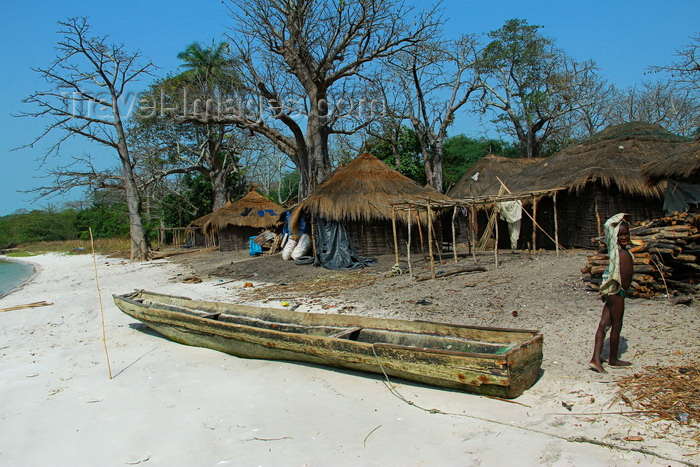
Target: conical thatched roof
(612, 156)
(482, 178)
(362, 191)
(200, 221)
(252, 210)
(683, 163)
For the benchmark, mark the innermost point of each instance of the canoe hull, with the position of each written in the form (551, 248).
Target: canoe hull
(504, 375)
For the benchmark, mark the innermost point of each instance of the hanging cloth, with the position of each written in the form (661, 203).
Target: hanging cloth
(512, 212)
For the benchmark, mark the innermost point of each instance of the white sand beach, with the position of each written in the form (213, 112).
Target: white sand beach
(170, 404)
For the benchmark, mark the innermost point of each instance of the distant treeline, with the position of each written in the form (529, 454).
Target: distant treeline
(106, 221)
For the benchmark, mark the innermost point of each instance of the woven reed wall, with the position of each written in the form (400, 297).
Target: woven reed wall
(233, 238)
(377, 238)
(576, 213)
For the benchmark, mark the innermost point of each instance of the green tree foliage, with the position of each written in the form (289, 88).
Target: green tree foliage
(531, 86)
(195, 198)
(107, 220)
(288, 187)
(461, 152)
(404, 157)
(38, 226)
(169, 145)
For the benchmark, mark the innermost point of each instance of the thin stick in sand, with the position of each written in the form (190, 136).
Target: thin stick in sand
(28, 305)
(99, 298)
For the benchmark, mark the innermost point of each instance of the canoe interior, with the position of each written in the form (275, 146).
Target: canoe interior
(472, 356)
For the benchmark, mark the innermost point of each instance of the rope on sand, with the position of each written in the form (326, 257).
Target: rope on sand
(576, 439)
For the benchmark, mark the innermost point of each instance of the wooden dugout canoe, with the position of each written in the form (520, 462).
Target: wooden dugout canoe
(490, 361)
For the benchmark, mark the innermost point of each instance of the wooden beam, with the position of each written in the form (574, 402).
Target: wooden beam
(396, 239)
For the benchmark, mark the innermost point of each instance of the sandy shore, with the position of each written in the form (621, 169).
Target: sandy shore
(170, 404)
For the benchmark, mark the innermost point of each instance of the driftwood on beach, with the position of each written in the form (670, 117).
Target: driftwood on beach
(665, 251)
(28, 305)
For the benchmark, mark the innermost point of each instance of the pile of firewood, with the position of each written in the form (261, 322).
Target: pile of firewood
(666, 253)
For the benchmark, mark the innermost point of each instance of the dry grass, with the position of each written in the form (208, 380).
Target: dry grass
(317, 287)
(362, 191)
(104, 246)
(668, 393)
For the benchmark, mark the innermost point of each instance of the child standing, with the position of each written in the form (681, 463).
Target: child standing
(616, 280)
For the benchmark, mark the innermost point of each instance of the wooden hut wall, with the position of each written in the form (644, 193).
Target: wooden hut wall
(199, 239)
(576, 213)
(578, 222)
(377, 238)
(234, 238)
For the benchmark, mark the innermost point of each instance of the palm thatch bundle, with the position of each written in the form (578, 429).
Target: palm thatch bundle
(482, 178)
(200, 221)
(362, 191)
(614, 156)
(252, 210)
(682, 164)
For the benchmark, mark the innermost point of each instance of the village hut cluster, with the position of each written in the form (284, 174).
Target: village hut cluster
(367, 208)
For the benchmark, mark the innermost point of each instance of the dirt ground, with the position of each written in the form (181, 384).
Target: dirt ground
(525, 291)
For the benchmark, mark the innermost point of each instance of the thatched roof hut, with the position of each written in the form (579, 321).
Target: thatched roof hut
(683, 163)
(603, 176)
(611, 157)
(681, 170)
(237, 221)
(360, 195)
(195, 232)
(482, 178)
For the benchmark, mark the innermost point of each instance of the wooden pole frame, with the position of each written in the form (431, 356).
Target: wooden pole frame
(428, 212)
(396, 238)
(556, 224)
(408, 246)
(99, 299)
(454, 233)
(495, 227)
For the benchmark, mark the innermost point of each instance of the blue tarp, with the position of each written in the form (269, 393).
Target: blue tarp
(255, 249)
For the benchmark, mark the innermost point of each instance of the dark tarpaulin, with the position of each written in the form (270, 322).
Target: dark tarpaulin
(335, 249)
(680, 195)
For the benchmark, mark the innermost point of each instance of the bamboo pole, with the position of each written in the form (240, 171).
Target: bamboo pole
(534, 225)
(396, 239)
(556, 224)
(473, 227)
(420, 233)
(454, 233)
(495, 226)
(313, 239)
(430, 238)
(408, 247)
(99, 298)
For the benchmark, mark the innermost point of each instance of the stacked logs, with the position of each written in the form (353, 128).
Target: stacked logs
(666, 253)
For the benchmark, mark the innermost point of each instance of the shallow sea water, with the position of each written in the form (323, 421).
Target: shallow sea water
(13, 274)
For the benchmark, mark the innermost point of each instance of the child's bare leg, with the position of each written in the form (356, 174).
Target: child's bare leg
(603, 325)
(616, 305)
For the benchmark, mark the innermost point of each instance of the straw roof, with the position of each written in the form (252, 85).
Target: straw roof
(245, 212)
(362, 191)
(200, 221)
(612, 156)
(482, 178)
(683, 163)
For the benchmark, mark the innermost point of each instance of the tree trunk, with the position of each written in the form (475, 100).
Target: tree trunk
(318, 162)
(139, 241)
(219, 185)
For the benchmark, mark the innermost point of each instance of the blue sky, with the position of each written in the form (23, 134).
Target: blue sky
(623, 37)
